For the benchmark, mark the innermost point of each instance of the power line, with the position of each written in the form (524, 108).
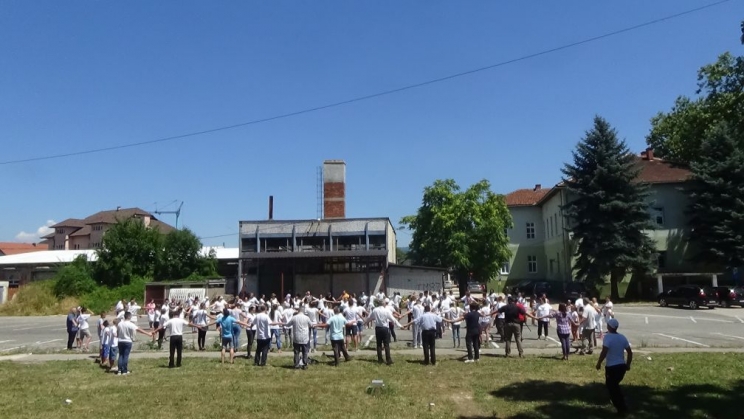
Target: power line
(370, 96)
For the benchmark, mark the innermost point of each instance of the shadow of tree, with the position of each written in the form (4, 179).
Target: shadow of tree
(566, 400)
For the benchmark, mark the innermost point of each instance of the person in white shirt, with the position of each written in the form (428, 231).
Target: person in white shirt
(134, 308)
(84, 328)
(543, 311)
(119, 306)
(364, 298)
(276, 322)
(164, 316)
(301, 325)
(500, 318)
(126, 331)
(218, 306)
(264, 333)
(382, 317)
(200, 320)
(352, 330)
(250, 318)
(613, 347)
(417, 311)
(579, 301)
(574, 322)
(111, 334)
(485, 323)
(312, 312)
(607, 310)
(175, 327)
(455, 313)
(588, 317)
(287, 315)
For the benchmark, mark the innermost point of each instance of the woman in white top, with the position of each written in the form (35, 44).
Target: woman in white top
(455, 312)
(84, 328)
(276, 317)
(164, 316)
(607, 310)
(250, 318)
(200, 319)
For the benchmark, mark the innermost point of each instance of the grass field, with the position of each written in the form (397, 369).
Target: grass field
(699, 386)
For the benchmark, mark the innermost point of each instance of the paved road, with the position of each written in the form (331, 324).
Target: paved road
(645, 326)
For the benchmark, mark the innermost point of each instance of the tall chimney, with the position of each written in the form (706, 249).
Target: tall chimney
(650, 154)
(538, 187)
(334, 189)
(271, 207)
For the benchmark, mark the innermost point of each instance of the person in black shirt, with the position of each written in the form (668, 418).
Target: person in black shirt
(472, 331)
(512, 313)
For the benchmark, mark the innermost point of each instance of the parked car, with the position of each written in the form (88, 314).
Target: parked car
(730, 296)
(476, 287)
(530, 288)
(693, 296)
(573, 290)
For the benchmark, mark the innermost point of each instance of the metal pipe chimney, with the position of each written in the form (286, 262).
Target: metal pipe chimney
(271, 207)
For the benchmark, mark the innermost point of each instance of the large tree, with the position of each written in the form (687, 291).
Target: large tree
(464, 231)
(180, 256)
(717, 200)
(607, 209)
(678, 134)
(129, 249)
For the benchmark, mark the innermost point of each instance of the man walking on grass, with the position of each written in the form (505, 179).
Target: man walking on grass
(613, 347)
(175, 330)
(300, 325)
(512, 327)
(336, 327)
(126, 331)
(428, 324)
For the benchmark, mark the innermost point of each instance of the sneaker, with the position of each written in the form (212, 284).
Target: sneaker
(118, 373)
(469, 361)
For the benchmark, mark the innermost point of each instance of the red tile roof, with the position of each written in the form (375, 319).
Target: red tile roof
(17, 248)
(525, 197)
(660, 171)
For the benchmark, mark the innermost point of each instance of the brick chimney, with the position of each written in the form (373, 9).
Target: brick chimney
(334, 189)
(537, 187)
(648, 154)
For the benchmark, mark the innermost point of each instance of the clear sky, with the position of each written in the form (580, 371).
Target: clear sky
(79, 75)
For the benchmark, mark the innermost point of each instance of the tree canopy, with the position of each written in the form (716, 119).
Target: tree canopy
(607, 208)
(678, 134)
(464, 231)
(717, 200)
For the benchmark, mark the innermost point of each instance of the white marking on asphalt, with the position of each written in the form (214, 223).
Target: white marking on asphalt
(646, 319)
(672, 317)
(31, 328)
(683, 340)
(729, 336)
(693, 319)
(244, 345)
(740, 319)
(366, 344)
(49, 341)
(495, 345)
(552, 339)
(6, 341)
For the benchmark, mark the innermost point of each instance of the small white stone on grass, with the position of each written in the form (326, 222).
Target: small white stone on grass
(68, 401)
(649, 358)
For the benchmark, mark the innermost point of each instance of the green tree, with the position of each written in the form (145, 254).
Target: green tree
(401, 255)
(129, 249)
(717, 200)
(678, 135)
(75, 279)
(180, 257)
(607, 211)
(464, 231)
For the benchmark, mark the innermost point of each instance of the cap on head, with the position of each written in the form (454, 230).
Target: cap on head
(613, 323)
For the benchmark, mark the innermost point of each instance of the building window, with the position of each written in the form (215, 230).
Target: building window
(657, 215)
(552, 262)
(552, 227)
(76, 247)
(59, 231)
(530, 230)
(532, 264)
(97, 227)
(661, 261)
(504, 269)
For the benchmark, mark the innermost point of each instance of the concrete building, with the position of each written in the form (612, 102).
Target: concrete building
(87, 233)
(541, 240)
(331, 254)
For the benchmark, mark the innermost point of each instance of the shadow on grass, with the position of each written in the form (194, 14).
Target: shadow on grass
(566, 400)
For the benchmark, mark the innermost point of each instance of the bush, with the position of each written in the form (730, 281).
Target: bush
(37, 299)
(104, 298)
(74, 280)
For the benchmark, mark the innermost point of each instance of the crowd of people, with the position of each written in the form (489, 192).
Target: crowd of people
(297, 321)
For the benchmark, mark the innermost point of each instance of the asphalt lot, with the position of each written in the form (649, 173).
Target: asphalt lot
(645, 326)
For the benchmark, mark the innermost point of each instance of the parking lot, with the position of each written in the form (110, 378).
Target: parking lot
(645, 326)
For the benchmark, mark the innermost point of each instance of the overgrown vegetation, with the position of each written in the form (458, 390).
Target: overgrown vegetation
(37, 299)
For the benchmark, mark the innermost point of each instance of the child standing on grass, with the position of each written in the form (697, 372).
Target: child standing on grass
(114, 343)
(105, 343)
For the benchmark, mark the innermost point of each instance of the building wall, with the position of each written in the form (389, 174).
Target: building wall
(407, 280)
(522, 247)
(79, 242)
(671, 235)
(557, 262)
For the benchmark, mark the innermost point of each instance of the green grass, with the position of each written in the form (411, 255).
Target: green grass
(699, 386)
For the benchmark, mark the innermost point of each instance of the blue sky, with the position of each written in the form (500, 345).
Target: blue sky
(80, 75)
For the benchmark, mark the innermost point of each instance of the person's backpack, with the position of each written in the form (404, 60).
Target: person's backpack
(521, 316)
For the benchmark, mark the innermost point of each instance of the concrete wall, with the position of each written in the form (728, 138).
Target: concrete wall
(407, 280)
(521, 247)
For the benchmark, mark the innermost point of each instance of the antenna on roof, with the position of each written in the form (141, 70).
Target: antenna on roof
(177, 212)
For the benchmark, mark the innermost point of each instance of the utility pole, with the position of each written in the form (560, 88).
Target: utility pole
(177, 212)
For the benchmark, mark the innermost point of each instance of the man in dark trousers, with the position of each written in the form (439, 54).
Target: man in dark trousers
(428, 324)
(613, 347)
(382, 317)
(472, 331)
(512, 327)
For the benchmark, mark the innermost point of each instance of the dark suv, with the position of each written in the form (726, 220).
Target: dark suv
(693, 296)
(573, 290)
(730, 296)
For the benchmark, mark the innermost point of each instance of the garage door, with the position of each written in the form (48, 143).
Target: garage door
(410, 280)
